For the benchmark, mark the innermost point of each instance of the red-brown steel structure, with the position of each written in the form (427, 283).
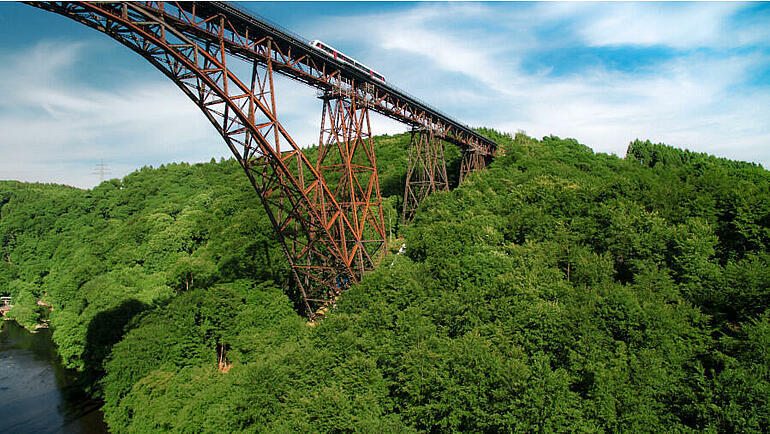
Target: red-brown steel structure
(346, 161)
(327, 214)
(472, 161)
(426, 170)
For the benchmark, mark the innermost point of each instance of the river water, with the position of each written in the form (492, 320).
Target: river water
(37, 394)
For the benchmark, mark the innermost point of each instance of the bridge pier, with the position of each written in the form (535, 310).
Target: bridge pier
(472, 161)
(346, 162)
(327, 213)
(426, 171)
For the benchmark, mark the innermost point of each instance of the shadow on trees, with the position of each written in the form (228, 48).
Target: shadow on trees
(393, 185)
(105, 330)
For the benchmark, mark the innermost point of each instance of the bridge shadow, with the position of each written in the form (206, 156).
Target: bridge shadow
(105, 330)
(393, 185)
(453, 171)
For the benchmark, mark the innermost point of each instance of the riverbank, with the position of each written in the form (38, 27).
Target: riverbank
(42, 325)
(35, 321)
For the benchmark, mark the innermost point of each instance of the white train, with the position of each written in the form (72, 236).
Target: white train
(338, 55)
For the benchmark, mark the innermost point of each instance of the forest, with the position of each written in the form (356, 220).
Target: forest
(558, 290)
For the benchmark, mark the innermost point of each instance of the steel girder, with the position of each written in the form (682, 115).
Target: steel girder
(244, 113)
(426, 171)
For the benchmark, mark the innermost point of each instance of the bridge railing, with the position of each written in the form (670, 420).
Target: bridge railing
(251, 14)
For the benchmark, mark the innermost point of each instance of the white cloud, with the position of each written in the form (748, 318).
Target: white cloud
(648, 24)
(690, 104)
(55, 129)
(693, 100)
(56, 126)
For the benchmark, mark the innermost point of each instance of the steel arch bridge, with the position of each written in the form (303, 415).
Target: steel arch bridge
(327, 213)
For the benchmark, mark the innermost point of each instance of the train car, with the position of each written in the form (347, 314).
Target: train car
(338, 55)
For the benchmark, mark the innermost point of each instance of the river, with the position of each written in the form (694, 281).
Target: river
(36, 392)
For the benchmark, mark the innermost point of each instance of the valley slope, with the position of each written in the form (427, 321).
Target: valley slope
(560, 289)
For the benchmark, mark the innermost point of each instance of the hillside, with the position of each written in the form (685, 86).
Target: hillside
(558, 290)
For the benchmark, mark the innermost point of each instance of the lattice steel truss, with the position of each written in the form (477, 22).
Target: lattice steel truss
(327, 214)
(346, 160)
(471, 162)
(426, 171)
(244, 113)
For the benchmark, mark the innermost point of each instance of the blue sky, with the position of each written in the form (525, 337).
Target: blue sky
(694, 75)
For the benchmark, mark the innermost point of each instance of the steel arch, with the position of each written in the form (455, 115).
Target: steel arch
(245, 116)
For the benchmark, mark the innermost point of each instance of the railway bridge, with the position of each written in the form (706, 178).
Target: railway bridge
(326, 211)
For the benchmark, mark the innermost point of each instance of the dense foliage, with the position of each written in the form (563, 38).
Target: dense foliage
(557, 290)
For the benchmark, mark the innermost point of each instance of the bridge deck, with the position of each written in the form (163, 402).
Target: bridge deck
(294, 57)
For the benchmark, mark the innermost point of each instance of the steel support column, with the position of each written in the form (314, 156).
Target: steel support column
(199, 46)
(426, 171)
(471, 162)
(347, 164)
(244, 114)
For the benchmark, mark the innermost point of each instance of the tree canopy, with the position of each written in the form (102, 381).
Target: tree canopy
(558, 290)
